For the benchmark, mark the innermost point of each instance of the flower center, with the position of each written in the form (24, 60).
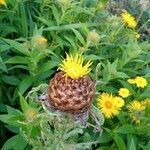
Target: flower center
(108, 104)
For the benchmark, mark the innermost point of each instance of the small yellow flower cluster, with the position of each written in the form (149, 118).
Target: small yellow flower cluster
(128, 19)
(109, 105)
(137, 109)
(139, 81)
(3, 2)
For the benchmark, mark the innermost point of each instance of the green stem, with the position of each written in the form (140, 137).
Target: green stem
(143, 25)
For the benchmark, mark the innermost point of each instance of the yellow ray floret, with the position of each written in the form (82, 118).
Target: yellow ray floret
(73, 66)
(109, 105)
(3, 2)
(128, 19)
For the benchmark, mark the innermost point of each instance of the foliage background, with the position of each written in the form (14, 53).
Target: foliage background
(66, 25)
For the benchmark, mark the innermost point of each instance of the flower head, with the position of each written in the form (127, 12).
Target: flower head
(136, 111)
(109, 105)
(40, 40)
(140, 82)
(128, 19)
(119, 101)
(93, 37)
(124, 92)
(131, 81)
(3, 2)
(73, 66)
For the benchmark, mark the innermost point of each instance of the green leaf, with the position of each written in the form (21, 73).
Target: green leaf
(79, 36)
(23, 103)
(48, 66)
(25, 84)
(17, 60)
(55, 13)
(23, 19)
(12, 128)
(12, 80)
(15, 143)
(104, 1)
(146, 93)
(2, 65)
(125, 129)
(71, 41)
(13, 111)
(18, 46)
(105, 137)
(132, 145)
(97, 115)
(11, 119)
(94, 57)
(119, 142)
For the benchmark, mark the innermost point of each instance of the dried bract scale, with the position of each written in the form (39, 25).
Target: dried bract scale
(71, 95)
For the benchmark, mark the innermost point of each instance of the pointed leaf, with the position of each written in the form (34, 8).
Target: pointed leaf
(2, 65)
(15, 143)
(23, 103)
(25, 84)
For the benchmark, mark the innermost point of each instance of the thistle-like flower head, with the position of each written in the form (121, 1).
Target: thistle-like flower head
(74, 68)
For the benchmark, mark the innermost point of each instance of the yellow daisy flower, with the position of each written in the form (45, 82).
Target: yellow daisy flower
(140, 82)
(119, 101)
(108, 105)
(136, 111)
(73, 66)
(124, 92)
(128, 19)
(3, 2)
(131, 81)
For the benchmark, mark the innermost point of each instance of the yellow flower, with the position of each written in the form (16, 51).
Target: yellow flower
(128, 19)
(131, 81)
(3, 2)
(73, 66)
(119, 101)
(140, 82)
(136, 111)
(124, 92)
(109, 105)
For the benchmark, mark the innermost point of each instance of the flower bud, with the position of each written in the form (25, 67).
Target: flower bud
(93, 37)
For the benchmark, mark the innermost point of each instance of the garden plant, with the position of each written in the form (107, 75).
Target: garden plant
(74, 75)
